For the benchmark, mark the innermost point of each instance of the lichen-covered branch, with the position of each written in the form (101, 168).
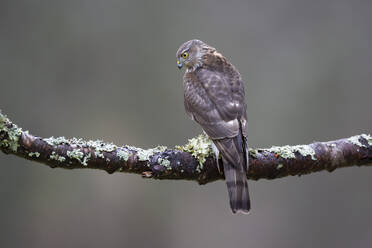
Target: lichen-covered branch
(193, 161)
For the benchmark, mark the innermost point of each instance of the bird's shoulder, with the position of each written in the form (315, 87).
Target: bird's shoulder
(215, 62)
(215, 71)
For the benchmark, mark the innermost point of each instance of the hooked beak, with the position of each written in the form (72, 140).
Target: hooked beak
(179, 64)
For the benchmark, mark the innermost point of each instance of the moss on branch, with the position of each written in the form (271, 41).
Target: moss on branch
(192, 161)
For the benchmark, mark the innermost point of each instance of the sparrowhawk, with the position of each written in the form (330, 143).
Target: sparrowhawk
(214, 97)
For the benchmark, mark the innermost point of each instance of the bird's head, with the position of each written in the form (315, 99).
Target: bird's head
(190, 54)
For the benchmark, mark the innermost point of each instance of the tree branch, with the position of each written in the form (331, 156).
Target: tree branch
(193, 161)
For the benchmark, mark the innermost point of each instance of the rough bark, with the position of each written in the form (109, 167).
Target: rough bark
(193, 161)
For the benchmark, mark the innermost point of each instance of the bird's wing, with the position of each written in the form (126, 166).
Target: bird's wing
(216, 102)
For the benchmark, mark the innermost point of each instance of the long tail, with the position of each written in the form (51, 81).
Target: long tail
(238, 189)
(235, 162)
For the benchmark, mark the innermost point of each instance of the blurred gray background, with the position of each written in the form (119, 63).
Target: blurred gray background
(107, 70)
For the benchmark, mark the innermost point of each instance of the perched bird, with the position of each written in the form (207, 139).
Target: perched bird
(214, 97)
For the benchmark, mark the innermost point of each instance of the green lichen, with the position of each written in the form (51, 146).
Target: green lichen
(200, 148)
(289, 152)
(165, 162)
(199, 168)
(56, 141)
(279, 166)
(86, 159)
(368, 138)
(146, 154)
(57, 157)
(253, 153)
(123, 155)
(75, 154)
(79, 155)
(10, 134)
(36, 154)
(99, 154)
(355, 140)
(98, 146)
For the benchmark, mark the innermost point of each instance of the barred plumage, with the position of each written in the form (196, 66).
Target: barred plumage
(214, 97)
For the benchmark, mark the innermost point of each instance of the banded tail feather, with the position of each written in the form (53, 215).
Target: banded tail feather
(237, 186)
(235, 164)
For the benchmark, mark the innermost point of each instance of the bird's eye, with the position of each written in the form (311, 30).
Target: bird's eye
(185, 55)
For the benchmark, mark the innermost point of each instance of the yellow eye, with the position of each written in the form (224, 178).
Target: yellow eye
(185, 55)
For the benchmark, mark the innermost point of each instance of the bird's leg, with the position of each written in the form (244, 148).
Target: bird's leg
(217, 155)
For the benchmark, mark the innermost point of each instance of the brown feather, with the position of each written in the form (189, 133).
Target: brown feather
(214, 97)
